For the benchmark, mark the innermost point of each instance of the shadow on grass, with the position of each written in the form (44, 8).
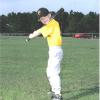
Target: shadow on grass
(82, 93)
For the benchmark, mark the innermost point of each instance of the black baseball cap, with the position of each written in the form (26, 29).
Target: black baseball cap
(42, 12)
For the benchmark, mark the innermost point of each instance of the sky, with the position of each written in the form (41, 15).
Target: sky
(84, 6)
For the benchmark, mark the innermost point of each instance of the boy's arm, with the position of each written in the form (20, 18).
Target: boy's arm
(33, 35)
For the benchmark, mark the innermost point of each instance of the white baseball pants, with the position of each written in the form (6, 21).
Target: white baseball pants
(53, 68)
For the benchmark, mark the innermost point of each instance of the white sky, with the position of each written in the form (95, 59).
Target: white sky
(84, 6)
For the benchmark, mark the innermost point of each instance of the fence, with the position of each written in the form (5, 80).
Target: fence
(14, 34)
(91, 35)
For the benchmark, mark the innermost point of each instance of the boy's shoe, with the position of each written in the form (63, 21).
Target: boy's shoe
(56, 97)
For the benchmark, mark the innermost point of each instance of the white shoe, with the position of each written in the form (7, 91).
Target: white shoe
(56, 96)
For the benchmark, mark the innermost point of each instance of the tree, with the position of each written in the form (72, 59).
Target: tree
(90, 23)
(74, 20)
(64, 22)
(12, 22)
(4, 26)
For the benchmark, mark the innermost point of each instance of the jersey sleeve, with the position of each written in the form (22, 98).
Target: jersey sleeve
(45, 31)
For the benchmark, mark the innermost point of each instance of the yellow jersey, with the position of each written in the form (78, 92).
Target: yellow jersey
(52, 32)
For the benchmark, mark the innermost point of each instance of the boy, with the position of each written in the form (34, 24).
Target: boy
(51, 31)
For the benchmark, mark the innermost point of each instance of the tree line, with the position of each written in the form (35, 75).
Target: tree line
(72, 22)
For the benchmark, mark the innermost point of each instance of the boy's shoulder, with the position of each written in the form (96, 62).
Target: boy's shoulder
(53, 22)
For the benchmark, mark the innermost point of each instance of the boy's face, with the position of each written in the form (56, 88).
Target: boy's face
(45, 19)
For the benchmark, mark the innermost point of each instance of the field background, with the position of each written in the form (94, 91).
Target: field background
(23, 69)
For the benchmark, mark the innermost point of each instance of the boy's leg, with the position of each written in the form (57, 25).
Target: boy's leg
(53, 71)
(54, 79)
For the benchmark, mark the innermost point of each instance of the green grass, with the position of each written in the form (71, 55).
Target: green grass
(23, 69)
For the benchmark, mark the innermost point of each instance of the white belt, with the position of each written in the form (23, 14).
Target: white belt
(55, 47)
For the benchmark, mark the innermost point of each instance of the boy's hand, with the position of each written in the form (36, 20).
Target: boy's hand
(30, 36)
(33, 35)
(27, 40)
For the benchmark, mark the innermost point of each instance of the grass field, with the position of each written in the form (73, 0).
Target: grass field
(23, 69)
